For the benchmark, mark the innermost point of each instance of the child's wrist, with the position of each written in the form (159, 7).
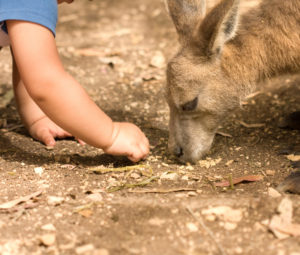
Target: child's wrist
(115, 133)
(37, 120)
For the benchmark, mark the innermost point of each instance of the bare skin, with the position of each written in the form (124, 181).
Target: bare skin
(40, 82)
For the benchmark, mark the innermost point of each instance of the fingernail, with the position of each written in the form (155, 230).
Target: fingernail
(48, 147)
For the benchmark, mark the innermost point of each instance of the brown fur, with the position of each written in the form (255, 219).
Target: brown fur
(221, 59)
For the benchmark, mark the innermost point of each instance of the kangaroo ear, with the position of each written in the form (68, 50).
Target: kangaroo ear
(186, 14)
(219, 26)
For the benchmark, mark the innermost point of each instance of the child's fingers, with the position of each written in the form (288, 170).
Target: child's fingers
(46, 137)
(81, 142)
(141, 152)
(134, 158)
(145, 149)
(136, 155)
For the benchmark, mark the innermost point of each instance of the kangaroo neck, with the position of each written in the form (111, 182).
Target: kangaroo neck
(267, 43)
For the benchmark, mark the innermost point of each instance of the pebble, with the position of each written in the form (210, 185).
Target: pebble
(48, 239)
(270, 172)
(192, 227)
(39, 170)
(156, 221)
(273, 193)
(84, 248)
(53, 200)
(226, 213)
(169, 176)
(102, 252)
(158, 60)
(96, 197)
(49, 227)
(230, 225)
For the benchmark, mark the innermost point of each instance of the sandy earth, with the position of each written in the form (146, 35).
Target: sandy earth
(117, 50)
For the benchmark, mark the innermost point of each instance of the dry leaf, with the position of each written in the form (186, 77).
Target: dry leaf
(247, 178)
(15, 202)
(207, 163)
(293, 157)
(289, 229)
(281, 224)
(86, 213)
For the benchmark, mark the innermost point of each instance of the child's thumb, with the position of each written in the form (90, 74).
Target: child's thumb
(47, 138)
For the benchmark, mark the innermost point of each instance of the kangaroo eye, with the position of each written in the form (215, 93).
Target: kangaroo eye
(191, 105)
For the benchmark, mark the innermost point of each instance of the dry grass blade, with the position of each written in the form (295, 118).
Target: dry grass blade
(163, 190)
(83, 207)
(133, 185)
(102, 170)
(254, 125)
(223, 134)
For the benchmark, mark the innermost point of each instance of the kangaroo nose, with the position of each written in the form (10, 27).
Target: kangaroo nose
(178, 151)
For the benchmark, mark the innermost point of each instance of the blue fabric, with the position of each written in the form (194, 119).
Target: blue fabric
(43, 12)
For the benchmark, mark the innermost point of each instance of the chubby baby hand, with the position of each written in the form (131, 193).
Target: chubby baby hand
(128, 140)
(45, 131)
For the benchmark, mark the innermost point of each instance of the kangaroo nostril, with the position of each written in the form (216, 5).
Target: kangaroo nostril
(178, 151)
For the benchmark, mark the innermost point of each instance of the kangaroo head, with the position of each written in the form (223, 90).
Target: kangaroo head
(199, 92)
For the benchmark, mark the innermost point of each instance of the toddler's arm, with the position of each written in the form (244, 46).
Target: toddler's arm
(62, 98)
(37, 123)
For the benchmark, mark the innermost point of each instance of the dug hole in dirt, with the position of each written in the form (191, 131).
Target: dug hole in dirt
(76, 200)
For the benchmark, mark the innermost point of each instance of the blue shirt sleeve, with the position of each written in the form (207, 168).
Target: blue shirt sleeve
(43, 12)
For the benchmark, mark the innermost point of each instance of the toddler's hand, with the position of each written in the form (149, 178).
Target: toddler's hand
(45, 130)
(130, 141)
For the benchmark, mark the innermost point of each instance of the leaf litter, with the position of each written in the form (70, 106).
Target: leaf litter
(13, 203)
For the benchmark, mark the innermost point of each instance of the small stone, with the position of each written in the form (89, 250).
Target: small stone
(53, 200)
(101, 252)
(270, 172)
(156, 221)
(185, 178)
(192, 227)
(58, 215)
(189, 168)
(229, 162)
(84, 248)
(48, 239)
(230, 225)
(192, 194)
(96, 197)
(49, 227)
(210, 217)
(238, 250)
(169, 176)
(158, 60)
(258, 226)
(273, 193)
(39, 170)
(135, 175)
(225, 213)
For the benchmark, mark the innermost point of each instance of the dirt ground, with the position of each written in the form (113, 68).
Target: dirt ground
(85, 202)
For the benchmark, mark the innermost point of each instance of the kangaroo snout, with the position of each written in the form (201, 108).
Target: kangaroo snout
(188, 148)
